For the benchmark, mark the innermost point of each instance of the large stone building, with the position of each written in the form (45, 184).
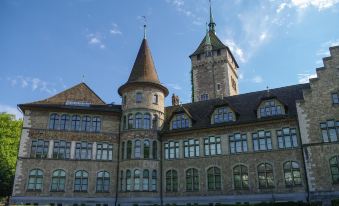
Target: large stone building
(224, 147)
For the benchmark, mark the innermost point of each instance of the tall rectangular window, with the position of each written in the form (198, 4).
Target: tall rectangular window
(191, 148)
(138, 97)
(238, 143)
(61, 149)
(330, 130)
(39, 148)
(171, 150)
(335, 98)
(262, 140)
(83, 151)
(212, 146)
(104, 151)
(287, 138)
(155, 99)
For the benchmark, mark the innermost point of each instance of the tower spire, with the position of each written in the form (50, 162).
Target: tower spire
(145, 26)
(211, 25)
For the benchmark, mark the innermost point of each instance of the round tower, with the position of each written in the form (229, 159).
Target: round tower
(142, 117)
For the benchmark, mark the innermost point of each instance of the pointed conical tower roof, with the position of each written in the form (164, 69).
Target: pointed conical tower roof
(143, 71)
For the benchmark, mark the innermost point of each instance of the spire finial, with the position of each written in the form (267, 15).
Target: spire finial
(83, 78)
(211, 24)
(145, 25)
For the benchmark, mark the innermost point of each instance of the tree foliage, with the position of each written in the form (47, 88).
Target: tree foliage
(10, 130)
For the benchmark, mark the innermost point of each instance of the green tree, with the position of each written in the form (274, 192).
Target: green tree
(10, 130)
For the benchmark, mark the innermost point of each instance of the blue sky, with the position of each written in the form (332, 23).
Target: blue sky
(47, 46)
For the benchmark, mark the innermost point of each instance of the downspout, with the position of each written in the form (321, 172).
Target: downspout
(304, 149)
(118, 165)
(161, 171)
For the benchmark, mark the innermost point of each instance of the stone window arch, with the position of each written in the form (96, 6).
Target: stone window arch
(81, 181)
(86, 123)
(145, 180)
(214, 178)
(138, 121)
(265, 175)
(54, 121)
(240, 177)
(35, 180)
(137, 149)
(75, 125)
(65, 122)
(292, 174)
(130, 121)
(58, 181)
(192, 180)
(96, 124)
(103, 181)
(137, 185)
(147, 121)
(171, 181)
(146, 149)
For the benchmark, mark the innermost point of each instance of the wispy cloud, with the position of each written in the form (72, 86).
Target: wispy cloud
(257, 79)
(115, 30)
(95, 39)
(180, 6)
(174, 86)
(304, 78)
(10, 110)
(235, 49)
(324, 47)
(34, 83)
(319, 4)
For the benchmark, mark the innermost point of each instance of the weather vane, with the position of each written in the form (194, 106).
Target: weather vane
(145, 24)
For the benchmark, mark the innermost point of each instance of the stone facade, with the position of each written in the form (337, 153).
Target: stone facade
(264, 146)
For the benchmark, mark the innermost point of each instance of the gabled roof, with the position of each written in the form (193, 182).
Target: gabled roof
(78, 93)
(245, 106)
(143, 71)
(216, 44)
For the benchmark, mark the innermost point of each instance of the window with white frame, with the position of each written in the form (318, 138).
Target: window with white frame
(104, 151)
(61, 149)
(223, 114)
(83, 151)
(171, 150)
(238, 143)
(287, 138)
(39, 148)
(270, 108)
(330, 130)
(35, 178)
(191, 148)
(262, 140)
(212, 146)
(180, 121)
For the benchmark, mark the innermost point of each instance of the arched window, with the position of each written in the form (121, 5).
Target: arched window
(136, 180)
(128, 180)
(265, 175)
(65, 122)
(35, 180)
(334, 164)
(147, 121)
(137, 149)
(58, 181)
(292, 174)
(130, 121)
(171, 181)
(103, 180)
(270, 108)
(54, 121)
(138, 120)
(146, 149)
(192, 180)
(81, 181)
(96, 124)
(240, 177)
(214, 178)
(155, 122)
(154, 181)
(123, 151)
(155, 150)
(76, 122)
(129, 149)
(86, 123)
(145, 180)
(121, 180)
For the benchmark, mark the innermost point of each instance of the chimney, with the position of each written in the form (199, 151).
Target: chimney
(175, 100)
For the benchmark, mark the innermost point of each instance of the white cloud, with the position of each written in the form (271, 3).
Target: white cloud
(179, 5)
(115, 30)
(235, 49)
(32, 82)
(324, 48)
(304, 78)
(257, 79)
(174, 86)
(319, 4)
(10, 110)
(95, 39)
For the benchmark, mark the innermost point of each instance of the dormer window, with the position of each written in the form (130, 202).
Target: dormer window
(138, 97)
(180, 121)
(270, 108)
(223, 114)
